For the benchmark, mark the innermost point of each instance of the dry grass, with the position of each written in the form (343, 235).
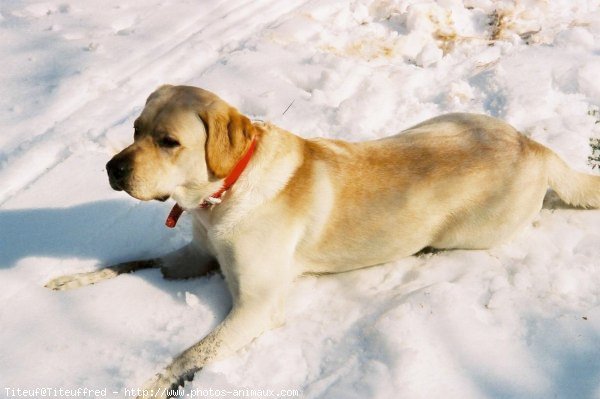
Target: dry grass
(499, 22)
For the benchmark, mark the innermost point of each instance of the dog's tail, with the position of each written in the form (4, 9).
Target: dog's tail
(575, 188)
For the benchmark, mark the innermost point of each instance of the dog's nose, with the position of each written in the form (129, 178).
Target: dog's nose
(118, 170)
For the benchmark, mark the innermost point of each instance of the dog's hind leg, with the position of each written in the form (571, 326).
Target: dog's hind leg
(71, 281)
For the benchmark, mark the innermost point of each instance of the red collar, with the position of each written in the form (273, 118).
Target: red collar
(215, 198)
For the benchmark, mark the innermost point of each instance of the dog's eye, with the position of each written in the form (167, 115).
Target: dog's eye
(168, 142)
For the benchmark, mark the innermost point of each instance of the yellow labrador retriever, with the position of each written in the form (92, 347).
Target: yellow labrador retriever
(269, 206)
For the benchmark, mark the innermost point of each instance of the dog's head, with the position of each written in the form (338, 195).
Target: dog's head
(184, 139)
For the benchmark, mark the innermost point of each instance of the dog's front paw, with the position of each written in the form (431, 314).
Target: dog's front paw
(63, 283)
(159, 387)
(71, 281)
(165, 385)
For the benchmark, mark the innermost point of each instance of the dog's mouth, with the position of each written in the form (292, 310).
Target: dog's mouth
(161, 198)
(122, 187)
(115, 185)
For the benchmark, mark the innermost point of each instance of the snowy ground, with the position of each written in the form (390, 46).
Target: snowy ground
(518, 321)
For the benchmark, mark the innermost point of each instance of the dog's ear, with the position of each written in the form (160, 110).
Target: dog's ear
(229, 134)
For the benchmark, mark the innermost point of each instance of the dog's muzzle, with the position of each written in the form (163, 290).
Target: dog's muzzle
(118, 169)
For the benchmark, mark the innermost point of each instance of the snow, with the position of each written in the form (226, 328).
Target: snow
(521, 320)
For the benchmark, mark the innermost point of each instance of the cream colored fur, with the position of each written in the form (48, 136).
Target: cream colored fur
(325, 206)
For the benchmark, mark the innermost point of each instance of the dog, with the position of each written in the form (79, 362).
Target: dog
(268, 206)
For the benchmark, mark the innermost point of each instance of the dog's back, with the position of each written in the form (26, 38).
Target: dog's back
(455, 181)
